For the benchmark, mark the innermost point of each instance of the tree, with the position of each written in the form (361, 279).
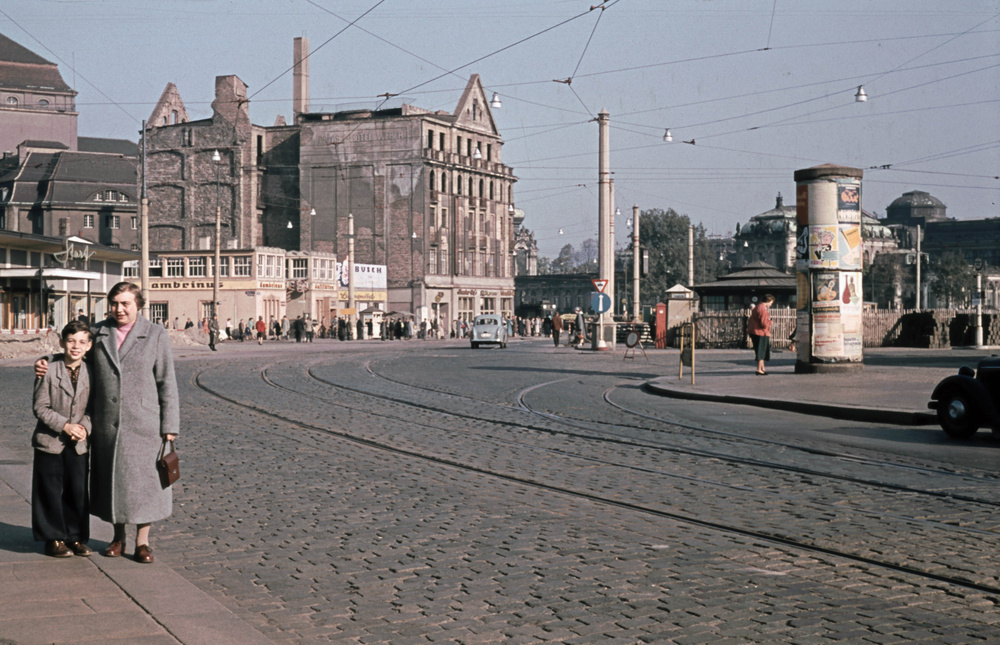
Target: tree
(954, 280)
(585, 259)
(544, 266)
(564, 261)
(665, 235)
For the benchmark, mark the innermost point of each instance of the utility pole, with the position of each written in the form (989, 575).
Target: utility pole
(918, 267)
(636, 307)
(350, 277)
(143, 235)
(605, 243)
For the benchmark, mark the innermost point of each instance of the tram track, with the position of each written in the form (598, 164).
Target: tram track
(605, 435)
(991, 588)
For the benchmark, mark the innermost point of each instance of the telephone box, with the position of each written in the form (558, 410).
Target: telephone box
(660, 325)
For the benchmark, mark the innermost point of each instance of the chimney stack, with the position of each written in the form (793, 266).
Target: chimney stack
(300, 76)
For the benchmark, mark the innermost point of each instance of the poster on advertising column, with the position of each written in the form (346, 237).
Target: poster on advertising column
(851, 319)
(828, 332)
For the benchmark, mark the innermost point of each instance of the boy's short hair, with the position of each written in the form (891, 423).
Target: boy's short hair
(75, 327)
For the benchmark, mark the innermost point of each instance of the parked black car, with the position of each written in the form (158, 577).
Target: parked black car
(969, 400)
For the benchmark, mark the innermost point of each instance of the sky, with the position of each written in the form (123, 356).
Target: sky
(751, 90)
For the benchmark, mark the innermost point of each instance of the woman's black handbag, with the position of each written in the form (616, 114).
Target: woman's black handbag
(168, 465)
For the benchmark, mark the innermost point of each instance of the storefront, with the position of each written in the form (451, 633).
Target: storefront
(46, 281)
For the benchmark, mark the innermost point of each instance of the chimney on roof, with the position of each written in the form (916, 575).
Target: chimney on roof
(300, 77)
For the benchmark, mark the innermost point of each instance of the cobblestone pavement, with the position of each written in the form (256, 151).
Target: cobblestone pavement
(309, 535)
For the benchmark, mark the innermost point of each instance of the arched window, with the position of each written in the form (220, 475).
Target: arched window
(43, 103)
(11, 100)
(481, 191)
(491, 190)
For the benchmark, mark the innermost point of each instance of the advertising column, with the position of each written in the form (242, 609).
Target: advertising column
(828, 269)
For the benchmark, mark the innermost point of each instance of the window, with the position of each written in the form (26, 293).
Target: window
(433, 185)
(159, 312)
(155, 268)
(444, 263)
(468, 147)
(43, 103)
(441, 141)
(135, 223)
(134, 247)
(300, 268)
(489, 306)
(260, 266)
(430, 139)
(114, 221)
(444, 183)
(196, 267)
(465, 311)
(88, 221)
(11, 100)
(130, 269)
(223, 267)
(458, 185)
(432, 258)
(242, 266)
(481, 185)
(458, 145)
(459, 261)
(175, 267)
(489, 152)
(491, 190)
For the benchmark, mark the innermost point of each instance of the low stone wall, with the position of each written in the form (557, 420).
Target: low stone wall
(935, 328)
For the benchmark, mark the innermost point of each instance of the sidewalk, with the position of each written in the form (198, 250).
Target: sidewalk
(894, 385)
(95, 599)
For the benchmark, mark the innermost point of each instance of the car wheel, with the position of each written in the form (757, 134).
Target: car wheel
(957, 415)
(474, 346)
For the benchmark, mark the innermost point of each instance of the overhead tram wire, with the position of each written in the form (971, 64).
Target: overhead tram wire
(309, 55)
(75, 72)
(514, 44)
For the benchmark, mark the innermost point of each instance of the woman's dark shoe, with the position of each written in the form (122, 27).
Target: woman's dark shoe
(114, 549)
(79, 548)
(761, 373)
(143, 554)
(57, 549)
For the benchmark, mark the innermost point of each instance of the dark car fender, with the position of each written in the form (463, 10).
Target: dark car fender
(972, 388)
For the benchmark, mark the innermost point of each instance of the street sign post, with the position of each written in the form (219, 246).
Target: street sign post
(600, 302)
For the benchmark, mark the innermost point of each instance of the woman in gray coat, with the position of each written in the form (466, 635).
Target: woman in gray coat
(135, 407)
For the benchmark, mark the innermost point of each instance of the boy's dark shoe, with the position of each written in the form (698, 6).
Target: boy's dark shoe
(79, 548)
(57, 549)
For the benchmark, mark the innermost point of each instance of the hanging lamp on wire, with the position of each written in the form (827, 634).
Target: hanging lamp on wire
(860, 97)
(667, 136)
(495, 101)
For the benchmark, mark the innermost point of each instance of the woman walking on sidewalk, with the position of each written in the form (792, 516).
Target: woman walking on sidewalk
(759, 328)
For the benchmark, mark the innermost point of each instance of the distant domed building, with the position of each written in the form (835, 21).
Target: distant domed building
(915, 208)
(771, 236)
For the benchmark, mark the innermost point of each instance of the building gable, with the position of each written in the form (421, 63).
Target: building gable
(473, 110)
(169, 109)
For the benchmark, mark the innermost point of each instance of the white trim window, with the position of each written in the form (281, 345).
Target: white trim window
(196, 267)
(243, 266)
(88, 221)
(175, 267)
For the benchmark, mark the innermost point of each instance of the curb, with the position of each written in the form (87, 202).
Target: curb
(843, 412)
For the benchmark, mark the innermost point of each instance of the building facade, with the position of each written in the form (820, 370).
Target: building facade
(430, 198)
(36, 104)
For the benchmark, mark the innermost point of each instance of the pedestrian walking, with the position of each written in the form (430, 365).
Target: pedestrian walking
(557, 325)
(759, 328)
(261, 330)
(213, 332)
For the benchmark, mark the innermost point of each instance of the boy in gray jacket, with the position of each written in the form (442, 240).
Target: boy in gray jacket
(60, 514)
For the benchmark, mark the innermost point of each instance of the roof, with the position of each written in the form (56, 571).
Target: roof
(22, 68)
(71, 176)
(916, 198)
(756, 275)
(110, 146)
(12, 52)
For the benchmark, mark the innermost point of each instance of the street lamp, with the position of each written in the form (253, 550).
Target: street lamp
(636, 310)
(217, 160)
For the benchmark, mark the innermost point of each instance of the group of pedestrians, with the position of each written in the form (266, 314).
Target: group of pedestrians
(106, 407)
